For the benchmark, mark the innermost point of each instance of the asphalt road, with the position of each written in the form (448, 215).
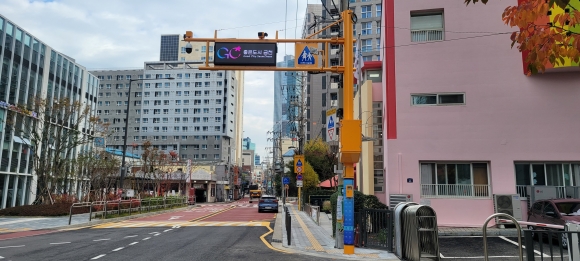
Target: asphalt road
(162, 243)
(499, 248)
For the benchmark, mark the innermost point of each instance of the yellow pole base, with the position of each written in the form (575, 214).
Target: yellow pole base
(349, 249)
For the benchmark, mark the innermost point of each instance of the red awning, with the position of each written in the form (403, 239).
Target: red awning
(327, 183)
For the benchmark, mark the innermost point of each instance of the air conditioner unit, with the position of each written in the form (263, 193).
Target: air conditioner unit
(333, 85)
(333, 51)
(333, 103)
(508, 204)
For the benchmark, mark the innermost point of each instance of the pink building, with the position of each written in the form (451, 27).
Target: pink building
(462, 121)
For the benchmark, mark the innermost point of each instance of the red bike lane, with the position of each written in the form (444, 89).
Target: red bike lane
(242, 214)
(185, 215)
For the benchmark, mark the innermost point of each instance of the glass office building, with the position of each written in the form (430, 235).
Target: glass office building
(31, 70)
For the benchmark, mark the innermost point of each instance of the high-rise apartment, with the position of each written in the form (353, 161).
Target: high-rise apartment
(323, 92)
(32, 70)
(193, 114)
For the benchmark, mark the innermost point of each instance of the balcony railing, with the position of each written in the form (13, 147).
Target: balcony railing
(523, 191)
(427, 35)
(454, 191)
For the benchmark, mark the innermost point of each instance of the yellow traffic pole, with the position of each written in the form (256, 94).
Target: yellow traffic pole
(350, 135)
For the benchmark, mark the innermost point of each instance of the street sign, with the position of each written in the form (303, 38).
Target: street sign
(241, 53)
(299, 177)
(298, 162)
(286, 180)
(331, 125)
(299, 183)
(306, 55)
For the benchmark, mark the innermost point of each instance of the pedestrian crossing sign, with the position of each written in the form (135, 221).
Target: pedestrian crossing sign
(306, 55)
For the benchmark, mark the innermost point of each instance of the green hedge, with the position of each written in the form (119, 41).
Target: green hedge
(361, 201)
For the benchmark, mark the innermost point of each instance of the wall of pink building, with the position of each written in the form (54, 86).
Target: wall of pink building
(507, 116)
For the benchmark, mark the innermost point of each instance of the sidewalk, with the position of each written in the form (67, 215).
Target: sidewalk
(312, 239)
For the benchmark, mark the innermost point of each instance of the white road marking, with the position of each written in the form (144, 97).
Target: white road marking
(103, 239)
(154, 233)
(176, 226)
(523, 247)
(134, 243)
(174, 217)
(60, 243)
(131, 236)
(97, 257)
(166, 230)
(11, 246)
(147, 238)
(441, 255)
(117, 249)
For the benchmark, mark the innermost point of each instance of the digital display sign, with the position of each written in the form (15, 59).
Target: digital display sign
(251, 54)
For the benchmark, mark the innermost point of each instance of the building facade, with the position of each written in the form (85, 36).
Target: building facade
(459, 133)
(32, 70)
(322, 89)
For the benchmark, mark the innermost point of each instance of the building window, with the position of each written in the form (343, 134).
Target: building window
(427, 27)
(438, 99)
(366, 11)
(379, 10)
(367, 28)
(367, 45)
(454, 180)
(553, 174)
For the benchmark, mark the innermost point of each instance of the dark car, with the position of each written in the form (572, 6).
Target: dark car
(268, 203)
(555, 212)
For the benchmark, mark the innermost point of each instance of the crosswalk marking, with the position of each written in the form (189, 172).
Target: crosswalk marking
(132, 224)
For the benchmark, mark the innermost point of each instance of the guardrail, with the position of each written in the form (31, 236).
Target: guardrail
(313, 212)
(118, 207)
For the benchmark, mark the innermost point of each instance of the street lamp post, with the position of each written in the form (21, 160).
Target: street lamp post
(123, 166)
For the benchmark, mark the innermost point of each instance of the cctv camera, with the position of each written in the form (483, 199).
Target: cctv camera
(188, 48)
(262, 35)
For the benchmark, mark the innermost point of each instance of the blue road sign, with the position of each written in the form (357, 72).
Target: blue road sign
(330, 123)
(306, 57)
(299, 177)
(286, 180)
(299, 163)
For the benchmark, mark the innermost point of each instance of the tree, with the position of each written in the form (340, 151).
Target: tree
(548, 35)
(310, 179)
(52, 132)
(100, 169)
(319, 155)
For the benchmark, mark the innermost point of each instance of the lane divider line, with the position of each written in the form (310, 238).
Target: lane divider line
(212, 214)
(99, 256)
(263, 238)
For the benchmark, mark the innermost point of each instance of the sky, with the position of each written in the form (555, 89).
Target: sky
(123, 34)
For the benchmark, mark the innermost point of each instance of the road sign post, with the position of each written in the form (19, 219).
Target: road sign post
(351, 129)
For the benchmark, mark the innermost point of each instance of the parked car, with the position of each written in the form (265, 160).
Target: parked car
(268, 203)
(555, 212)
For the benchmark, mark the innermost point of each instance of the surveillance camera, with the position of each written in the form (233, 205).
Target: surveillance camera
(262, 35)
(188, 48)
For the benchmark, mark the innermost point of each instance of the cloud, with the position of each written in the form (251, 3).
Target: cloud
(113, 34)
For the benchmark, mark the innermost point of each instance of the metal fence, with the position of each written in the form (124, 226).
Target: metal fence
(129, 206)
(313, 212)
(374, 229)
(551, 245)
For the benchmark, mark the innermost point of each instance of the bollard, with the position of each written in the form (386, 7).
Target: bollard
(288, 227)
